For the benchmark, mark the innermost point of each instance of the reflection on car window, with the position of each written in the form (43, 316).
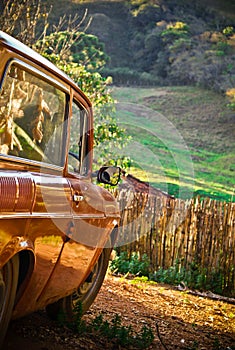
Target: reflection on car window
(77, 149)
(31, 117)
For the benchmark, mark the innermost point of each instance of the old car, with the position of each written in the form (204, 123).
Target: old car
(57, 225)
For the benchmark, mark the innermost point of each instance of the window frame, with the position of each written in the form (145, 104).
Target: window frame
(84, 156)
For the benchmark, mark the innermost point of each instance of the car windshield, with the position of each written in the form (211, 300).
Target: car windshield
(31, 117)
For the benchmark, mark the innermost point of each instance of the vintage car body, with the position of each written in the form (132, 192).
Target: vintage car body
(54, 222)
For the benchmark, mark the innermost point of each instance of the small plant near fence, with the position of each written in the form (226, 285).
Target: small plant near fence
(193, 277)
(135, 265)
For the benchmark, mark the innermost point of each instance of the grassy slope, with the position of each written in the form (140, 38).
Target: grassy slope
(183, 139)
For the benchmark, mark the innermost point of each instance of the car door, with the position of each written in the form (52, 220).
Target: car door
(90, 226)
(87, 202)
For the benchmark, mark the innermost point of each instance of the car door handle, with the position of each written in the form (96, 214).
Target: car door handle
(77, 198)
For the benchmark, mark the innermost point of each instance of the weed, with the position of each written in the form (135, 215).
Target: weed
(142, 279)
(216, 344)
(194, 346)
(135, 265)
(113, 330)
(79, 325)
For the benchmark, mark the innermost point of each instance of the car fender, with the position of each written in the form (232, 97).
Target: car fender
(15, 246)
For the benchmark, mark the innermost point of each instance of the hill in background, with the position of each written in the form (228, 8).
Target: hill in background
(163, 42)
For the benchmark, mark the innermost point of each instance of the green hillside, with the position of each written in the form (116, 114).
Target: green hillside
(183, 139)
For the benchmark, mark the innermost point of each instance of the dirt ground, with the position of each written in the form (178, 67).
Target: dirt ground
(178, 319)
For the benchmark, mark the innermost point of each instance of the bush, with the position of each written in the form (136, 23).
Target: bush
(193, 276)
(175, 31)
(128, 77)
(134, 265)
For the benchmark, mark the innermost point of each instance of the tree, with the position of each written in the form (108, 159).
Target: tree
(24, 19)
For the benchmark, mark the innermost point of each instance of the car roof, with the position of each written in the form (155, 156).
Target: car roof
(25, 51)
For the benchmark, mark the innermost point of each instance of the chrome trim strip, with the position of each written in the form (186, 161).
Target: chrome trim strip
(30, 163)
(28, 215)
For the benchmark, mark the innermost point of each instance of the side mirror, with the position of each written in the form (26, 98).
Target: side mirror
(109, 175)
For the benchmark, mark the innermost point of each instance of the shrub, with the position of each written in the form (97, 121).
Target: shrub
(194, 276)
(175, 31)
(228, 31)
(128, 77)
(231, 96)
(135, 265)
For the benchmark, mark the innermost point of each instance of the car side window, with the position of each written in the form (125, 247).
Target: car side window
(78, 144)
(31, 117)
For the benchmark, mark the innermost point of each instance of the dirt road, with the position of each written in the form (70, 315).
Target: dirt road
(184, 321)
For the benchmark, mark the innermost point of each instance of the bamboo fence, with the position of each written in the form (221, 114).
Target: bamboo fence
(168, 230)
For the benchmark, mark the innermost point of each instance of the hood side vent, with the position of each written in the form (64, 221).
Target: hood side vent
(16, 194)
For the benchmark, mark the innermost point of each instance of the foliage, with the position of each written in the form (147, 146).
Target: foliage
(23, 19)
(121, 335)
(81, 48)
(174, 42)
(134, 265)
(193, 276)
(170, 43)
(176, 30)
(231, 96)
(183, 52)
(228, 31)
(129, 77)
(109, 141)
(143, 7)
(181, 44)
(222, 48)
(112, 330)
